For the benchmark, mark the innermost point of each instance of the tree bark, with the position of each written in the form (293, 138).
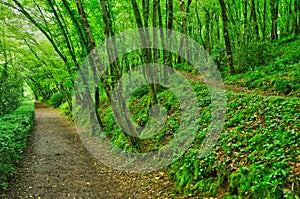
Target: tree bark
(246, 33)
(207, 30)
(110, 43)
(66, 36)
(200, 27)
(226, 38)
(254, 17)
(78, 26)
(184, 9)
(297, 17)
(274, 16)
(93, 58)
(265, 20)
(169, 22)
(146, 53)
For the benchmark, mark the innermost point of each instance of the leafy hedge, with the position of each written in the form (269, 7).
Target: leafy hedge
(56, 99)
(14, 130)
(9, 97)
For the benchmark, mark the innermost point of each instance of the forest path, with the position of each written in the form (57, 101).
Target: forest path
(235, 88)
(56, 165)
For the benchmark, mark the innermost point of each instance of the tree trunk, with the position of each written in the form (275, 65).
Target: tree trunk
(170, 18)
(207, 30)
(86, 26)
(265, 20)
(184, 13)
(83, 40)
(110, 43)
(93, 58)
(274, 16)
(226, 38)
(246, 33)
(66, 36)
(254, 17)
(200, 27)
(297, 17)
(146, 53)
(162, 36)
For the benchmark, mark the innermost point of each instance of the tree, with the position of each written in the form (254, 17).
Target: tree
(274, 16)
(226, 38)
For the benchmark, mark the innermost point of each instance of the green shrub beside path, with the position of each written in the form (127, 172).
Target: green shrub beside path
(14, 131)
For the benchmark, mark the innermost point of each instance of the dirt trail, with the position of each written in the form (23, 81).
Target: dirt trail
(56, 165)
(236, 88)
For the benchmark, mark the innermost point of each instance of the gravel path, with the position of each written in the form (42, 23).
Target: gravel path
(56, 165)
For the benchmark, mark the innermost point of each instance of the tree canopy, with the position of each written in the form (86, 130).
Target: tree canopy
(45, 41)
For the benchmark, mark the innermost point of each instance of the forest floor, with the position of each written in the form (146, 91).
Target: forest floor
(56, 165)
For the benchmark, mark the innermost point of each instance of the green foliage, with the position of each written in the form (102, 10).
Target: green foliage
(287, 39)
(66, 109)
(184, 67)
(56, 99)
(256, 152)
(9, 97)
(255, 155)
(139, 111)
(14, 128)
(281, 74)
(282, 86)
(252, 56)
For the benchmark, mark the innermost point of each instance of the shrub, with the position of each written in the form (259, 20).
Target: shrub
(14, 128)
(66, 109)
(9, 97)
(282, 85)
(254, 55)
(56, 99)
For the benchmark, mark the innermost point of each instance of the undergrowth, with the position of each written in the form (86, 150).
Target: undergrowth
(14, 130)
(258, 152)
(280, 74)
(257, 155)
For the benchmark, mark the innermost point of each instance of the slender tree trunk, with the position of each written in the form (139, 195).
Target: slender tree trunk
(207, 30)
(46, 27)
(66, 37)
(218, 34)
(169, 23)
(145, 40)
(265, 20)
(162, 36)
(93, 58)
(116, 74)
(110, 43)
(274, 16)
(200, 27)
(86, 26)
(83, 40)
(246, 33)
(255, 22)
(154, 22)
(297, 17)
(185, 12)
(226, 38)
